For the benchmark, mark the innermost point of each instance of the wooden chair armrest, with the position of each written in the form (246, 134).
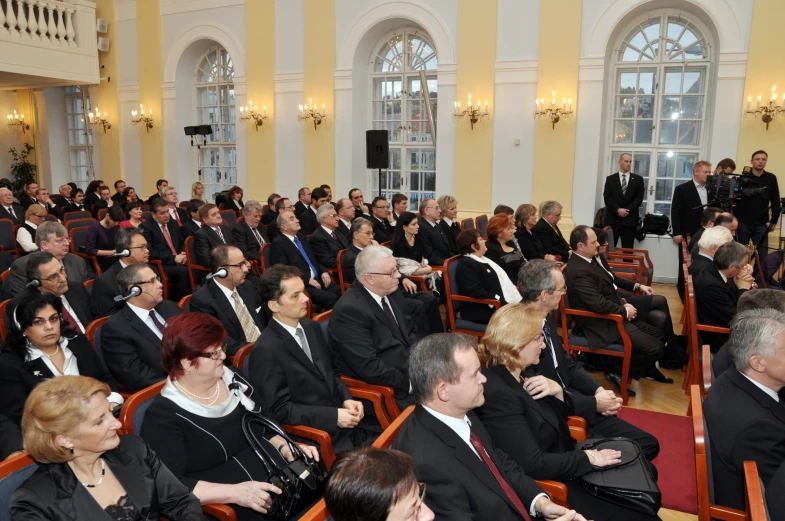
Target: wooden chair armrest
(625, 256)
(421, 281)
(437, 268)
(706, 369)
(726, 513)
(319, 436)
(557, 491)
(376, 398)
(713, 329)
(589, 314)
(490, 302)
(220, 512)
(387, 392)
(96, 267)
(645, 253)
(576, 421)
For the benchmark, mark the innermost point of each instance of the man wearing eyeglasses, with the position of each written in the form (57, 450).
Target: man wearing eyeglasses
(51, 237)
(325, 241)
(167, 245)
(231, 299)
(212, 233)
(380, 211)
(435, 244)
(131, 338)
(104, 288)
(369, 333)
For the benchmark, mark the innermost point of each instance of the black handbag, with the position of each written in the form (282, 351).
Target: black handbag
(301, 480)
(629, 483)
(654, 225)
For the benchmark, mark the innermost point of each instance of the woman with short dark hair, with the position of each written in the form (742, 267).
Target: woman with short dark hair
(134, 211)
(371, 484)
(234, 200)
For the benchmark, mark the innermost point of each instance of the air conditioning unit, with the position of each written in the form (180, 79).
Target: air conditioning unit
(103, 44)
(101, 25)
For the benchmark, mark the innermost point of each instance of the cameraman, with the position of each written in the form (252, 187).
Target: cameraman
(753, 211)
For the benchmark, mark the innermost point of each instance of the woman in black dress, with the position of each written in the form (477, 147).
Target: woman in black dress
(195, 424)
(406, 244)
(91, 195)
(502, 246)
(527, 418)
(531, 247)
(234, 200)
(40, 346)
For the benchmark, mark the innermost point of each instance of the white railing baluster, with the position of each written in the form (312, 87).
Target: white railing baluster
(11, 18)
(32, 20)
(22, 19)
(52, 26)
(70, 33)
(3, 30)
(60, 25)
(42, 20)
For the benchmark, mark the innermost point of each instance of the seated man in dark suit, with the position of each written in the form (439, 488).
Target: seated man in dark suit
(744, 416)
(179, 215)
(104, 201)
(435, 244)
(212, 233)
(707, 221)
(547, 230)
(9, 209)
(131, 338)
(358, 202)
(194, 222)
(291, 248)
(715, 301)
(27, 197)
(468, 478)
(42, 195)
(166, 245)
(380, 211)
(290, 366)
(63, 198)
(77, 204)
(325, 241)
(159, 186)
(303, 201)
(270, 213)
(118, 197)
(591, 288)
(345, 212)
(48, 276)
(308, 218)
(369, 334)
(774, 494)
(230, 298)
(711, 239)
(542, 285)
(280, 205)
(248, 234)
(132, 247)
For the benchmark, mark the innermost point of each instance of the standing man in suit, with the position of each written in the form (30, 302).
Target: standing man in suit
(755, 221)
(159, 185)
(360, 208)
(449, 210)
(435, 244)
(194, 222)
(369, 334)
(179, 215)
(744, 415)
(623, 196)
(542, 286)
(590, 288)
(42, 196)
(689, 200)
(131, 338)
(345, 212)
(292, 248)
(291, 367)
(303, 201)
(380, 219)
(248, 235)
(51, 237)
(230, 298)
(29, 197)
(212, 233)
(131, 247)
(9, 209)
(325, 241)
(166, 245)
(547, 230)
(467, 476)
(400, 204)
(118, 196)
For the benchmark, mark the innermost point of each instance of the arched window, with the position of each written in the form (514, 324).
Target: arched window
(215, 106)
(661, 70)
(398, 104)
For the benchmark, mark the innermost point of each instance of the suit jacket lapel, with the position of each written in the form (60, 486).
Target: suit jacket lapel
(136, 486)
(221, 301)
(764, 399)
(534, 405)
(135, 322)
(293, 346)
(381, 317)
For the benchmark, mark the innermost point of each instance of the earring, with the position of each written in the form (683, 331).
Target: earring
(71, 449)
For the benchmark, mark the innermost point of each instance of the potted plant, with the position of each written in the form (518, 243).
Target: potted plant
(22, 170)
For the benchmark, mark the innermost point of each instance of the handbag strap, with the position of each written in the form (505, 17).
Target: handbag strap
(638, 450)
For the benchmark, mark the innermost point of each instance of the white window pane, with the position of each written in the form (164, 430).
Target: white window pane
(688, 132)
(692, 107)
(684, 164)
(652, 31)
(670, 107)
(622, 132)
(663, 190)
(693, 82)
(672, 82)
(628, 83)
(625, 107)
(643, 132)
(647, 81)
(668, 132)
(645, 107)
(641, 164)
(630, 55)
(666, 162)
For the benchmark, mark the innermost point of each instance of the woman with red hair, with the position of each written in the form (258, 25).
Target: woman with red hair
(502, 246)
(195, 424)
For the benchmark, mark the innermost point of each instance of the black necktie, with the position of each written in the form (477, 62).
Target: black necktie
(389, 313)
(546, 333)
(12, 215)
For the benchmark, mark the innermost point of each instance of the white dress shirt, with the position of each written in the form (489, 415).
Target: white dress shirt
(25, 240)
(702, 193)
(378, 300)
(774, 396)
(347, 223)
(71, 311)
(293, 331)
(144, 316)
(228, 294)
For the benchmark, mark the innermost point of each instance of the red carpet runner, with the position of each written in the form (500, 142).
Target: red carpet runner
(676, 462)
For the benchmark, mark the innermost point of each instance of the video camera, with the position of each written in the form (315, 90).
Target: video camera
(728, 189)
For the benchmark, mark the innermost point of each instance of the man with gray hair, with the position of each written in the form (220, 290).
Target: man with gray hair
(435, 244)
(715, 299)
(744, 414)
(9, 209)
(325, 240)
(467, 476)
(547, 229)
(248, 235)
(369, 334)
(51, 237)
(179, 215)
(711, 239)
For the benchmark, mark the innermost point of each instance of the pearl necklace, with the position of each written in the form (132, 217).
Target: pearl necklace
(57, 349)
(103, 473)
(213, 397)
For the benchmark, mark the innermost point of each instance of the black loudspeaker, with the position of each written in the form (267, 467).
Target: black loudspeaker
(377, 149)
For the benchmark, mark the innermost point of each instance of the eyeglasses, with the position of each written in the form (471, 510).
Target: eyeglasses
(391, 274)
(288, 207)
(420, 500)
(385, 207)
(158, 278)
(332, 215)
(63, 240)
(214, 355)
(142, 247)
(238, 265)
(370, 234)
(55, 276)
(40, 322)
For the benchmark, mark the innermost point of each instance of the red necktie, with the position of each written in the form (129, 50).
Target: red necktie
(177, 218)
(511, 495)
(165, 230)
(70, 319)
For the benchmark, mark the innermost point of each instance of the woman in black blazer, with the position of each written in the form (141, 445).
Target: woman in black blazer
(234, 201)
(527, 418)
(531, 247)
(40, 346)
(502, 247)
(85, 470)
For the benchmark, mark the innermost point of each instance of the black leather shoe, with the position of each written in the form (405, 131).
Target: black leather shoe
(615, 379)
(654, 374)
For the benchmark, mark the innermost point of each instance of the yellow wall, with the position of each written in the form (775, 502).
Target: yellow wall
(260, 68)
(319, 65)
(476, 76)
(554, 156)
(25, 106)
(111, 150)
(148, 23)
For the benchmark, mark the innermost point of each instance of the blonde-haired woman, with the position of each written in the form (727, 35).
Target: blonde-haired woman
(86, 471)
(197, 191)
(527, 417)
(531, 247)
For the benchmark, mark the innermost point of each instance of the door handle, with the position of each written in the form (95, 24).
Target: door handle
(651, 190)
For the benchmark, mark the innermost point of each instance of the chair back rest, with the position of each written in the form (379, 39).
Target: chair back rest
(7, 235)
(183, 204)
(761, 276)
(76, 223)
(611, 238)
(146, 208)
(88, 285)
(324, 321)
(482, 225)
(93, 334)
(242, 358)
(705, 485)
(78, 238)
(467, 224)
(135, 407)
(13, 472)
(266, 256)
(230, 217)
(102, 212)
(386, 439)
(183, 304)
(341, 280)
(318, 512)
(754, 493)
(3, 307)
(51, 218)
(70, 216)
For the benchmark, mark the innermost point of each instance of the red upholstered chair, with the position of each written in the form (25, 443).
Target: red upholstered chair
(453, 295)
(3, 306)
(467, 224)
(193, 267)
(70, 216)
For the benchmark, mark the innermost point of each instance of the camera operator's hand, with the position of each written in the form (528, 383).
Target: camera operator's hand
(677, 239)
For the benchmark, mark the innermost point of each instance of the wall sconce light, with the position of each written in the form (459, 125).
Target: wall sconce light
(96, 119)
(472, 114)
(768, 110)
(17, 122)
(554, 113)
(251, 113)
(138, 118)
(311, 112)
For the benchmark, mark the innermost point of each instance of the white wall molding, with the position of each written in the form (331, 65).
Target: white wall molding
(211, 31)
(516, 71)
(732, 65)
(289, 82)
(446, 74)
(124, 10)
(343, 79)
(170, 7)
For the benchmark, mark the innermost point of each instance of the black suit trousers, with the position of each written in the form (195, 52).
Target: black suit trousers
(178, 277)
(647, 348)
(625, 233)
(324, 297)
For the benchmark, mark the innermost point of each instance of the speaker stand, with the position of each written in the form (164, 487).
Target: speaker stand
(380, 181)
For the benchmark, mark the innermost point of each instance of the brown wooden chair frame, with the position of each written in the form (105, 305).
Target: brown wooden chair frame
(191, 263)
(452, 297)
(753, 493)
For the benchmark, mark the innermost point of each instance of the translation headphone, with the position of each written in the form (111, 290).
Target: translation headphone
(16, 320)
(135, 291)
(222, 273)
(34, 283)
